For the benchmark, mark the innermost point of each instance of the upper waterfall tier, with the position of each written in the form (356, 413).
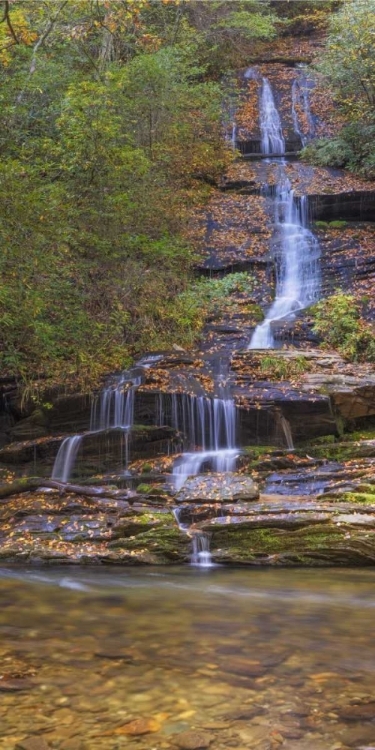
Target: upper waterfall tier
(272, 139)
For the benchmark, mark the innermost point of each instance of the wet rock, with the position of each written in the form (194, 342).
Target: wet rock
(33, 743)
(359, 736)
(245, 714)
(218, 488)
(15, 685)
(35, 426)
(23, 452)
(193, 740)
(245, 667)
(353, 397)
(357, 712)
(255, 736)
(354, 204)
(138, 727)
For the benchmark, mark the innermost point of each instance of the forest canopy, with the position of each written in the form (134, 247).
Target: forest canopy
(111, 133)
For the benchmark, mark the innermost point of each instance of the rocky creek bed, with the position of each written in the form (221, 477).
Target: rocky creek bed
(183, 660)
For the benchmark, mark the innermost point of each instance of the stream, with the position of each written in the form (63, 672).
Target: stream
(267, 659)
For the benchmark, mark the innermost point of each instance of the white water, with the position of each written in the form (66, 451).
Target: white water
(115, 405)
(66, 457)
(113, 408)
(272, 140)
(201, 555)
(297, 265)
(301, 103)
(287, 432)
(191, 464)
(209, 428)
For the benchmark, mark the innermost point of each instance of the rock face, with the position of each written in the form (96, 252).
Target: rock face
(107, 447)
(356, 204)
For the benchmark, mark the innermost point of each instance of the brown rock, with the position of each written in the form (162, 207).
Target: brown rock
(357, 712)
(245, 714)
(192, 740)
(359, 735)
(14, 685)
(138, 726)
(33, 743)
(245, 668)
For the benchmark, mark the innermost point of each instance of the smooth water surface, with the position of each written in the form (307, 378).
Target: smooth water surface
(261, 659)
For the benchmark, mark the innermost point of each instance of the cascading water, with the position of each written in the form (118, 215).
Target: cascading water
(114, 406)
(66, 457)
(297, 263)
(296, 248)
(303, 122)
(201, 555)
(208, 426)
(112, 409)
(272, 140)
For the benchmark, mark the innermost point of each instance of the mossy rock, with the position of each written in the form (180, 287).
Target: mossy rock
(335, 224)
(166, 544)
(321, 544)
(362, 497)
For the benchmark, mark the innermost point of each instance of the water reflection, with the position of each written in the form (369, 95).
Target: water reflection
(265, 659)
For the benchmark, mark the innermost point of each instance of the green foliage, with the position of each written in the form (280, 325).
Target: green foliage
(349, 61)
(329, 152)
(281, 368)
(335, 224)
(353, 148)
(227, 295)
(108, 136)
(348, 66)
(338, 321)
(216, 289)
(223, 32)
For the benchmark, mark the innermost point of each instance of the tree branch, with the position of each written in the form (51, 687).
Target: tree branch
(6, 19)
(44, 36)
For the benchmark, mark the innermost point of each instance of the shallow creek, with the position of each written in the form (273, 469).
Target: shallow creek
(187, 659)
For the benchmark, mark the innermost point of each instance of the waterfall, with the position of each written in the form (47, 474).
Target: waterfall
(113, 408)
(272, 140)
(208, 427)
(297, 265)
(65, 459)
(201, 555)
(115, 405)
(301, 103)
(209, 423)
(285, 428)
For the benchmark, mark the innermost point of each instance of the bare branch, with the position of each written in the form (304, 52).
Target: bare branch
(44, 36)
(6, 19)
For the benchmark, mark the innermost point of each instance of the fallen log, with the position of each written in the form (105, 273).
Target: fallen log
(30, 484)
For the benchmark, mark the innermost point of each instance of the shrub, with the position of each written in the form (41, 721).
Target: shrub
(338, 321)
